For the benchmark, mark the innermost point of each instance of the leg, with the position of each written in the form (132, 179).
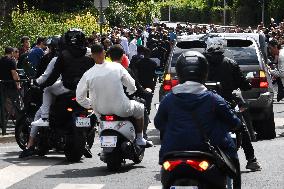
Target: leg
(237, 180)
(138, 114)
(56, 89)
(249, 151)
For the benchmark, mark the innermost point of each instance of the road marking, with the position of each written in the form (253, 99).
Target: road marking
(279, 122)
(155, 187)
(79, 186)
(17, 172)
(8, 147)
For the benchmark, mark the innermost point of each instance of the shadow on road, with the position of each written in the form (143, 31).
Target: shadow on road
(92, 172)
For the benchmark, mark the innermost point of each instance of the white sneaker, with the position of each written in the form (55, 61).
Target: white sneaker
(141, 142)
(42, 122)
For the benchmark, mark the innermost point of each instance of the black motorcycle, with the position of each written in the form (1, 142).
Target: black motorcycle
(71, 126)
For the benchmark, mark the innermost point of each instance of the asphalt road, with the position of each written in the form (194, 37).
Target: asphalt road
(54, 172)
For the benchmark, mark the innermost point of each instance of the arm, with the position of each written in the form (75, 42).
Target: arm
(16, 78)
(47, 72)
(127, 81)
(58, 67)
(82, 92)
(224, 113)
(161, 118)
(280, 71)
(239, 78)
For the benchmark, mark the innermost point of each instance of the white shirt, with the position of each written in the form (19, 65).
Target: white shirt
(124, 44)
(47, 72)
(280, 71)
(105, 82)
(132, 48)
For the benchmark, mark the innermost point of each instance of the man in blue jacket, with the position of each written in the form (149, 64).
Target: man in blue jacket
(174, 117)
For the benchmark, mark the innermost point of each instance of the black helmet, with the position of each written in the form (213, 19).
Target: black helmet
(192, 66)
(75, 37)
(53, 43)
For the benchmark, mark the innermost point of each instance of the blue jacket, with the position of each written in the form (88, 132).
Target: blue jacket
(181, 132)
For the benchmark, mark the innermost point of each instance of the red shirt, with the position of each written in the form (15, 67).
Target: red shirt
(125, 61)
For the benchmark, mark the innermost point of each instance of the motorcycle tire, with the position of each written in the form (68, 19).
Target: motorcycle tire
(75, 145)
(22, 130)
(138, 159)
(91, 138)
(42, 144)
(114, 163)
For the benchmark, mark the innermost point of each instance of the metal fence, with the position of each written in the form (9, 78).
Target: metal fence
(11, 102)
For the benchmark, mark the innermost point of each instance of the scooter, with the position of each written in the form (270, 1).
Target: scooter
(117, 137)
(211, 169)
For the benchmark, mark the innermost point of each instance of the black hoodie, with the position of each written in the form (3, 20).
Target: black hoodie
(71, 65)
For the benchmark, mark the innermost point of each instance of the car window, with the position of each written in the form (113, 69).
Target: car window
(242, 51)
(242, 55)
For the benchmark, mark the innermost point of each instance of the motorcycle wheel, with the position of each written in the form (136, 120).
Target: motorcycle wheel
(91, 138)
(114, 163)
(75, 145)
(138, 159)
(42, 144)
(22, 130)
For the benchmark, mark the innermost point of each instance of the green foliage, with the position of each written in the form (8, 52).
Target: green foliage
(35, 23)
(132, 12)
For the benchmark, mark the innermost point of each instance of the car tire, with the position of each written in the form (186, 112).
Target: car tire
(265, 129)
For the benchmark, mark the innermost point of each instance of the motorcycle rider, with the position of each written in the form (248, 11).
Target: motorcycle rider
(228, 73)
(105, 82)
(174, 120)
(71, 64)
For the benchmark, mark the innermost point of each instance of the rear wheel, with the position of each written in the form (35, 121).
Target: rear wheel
(22, 130)
(42, 143)
(114, 162)
(138, 159)
(91, 137)
(75, 145)
(265, 129)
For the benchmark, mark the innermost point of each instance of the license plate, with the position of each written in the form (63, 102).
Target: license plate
(108, 141)
(83, 122)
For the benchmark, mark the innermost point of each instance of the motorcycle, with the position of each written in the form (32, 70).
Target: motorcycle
(70, 128)
(202, 169)
(117, 137)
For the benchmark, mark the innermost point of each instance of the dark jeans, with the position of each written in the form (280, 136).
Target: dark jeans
(246, 141)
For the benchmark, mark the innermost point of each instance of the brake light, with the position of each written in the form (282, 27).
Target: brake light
(73, 99)
(260, 80)
(170, 165)
(82, 115)
(200, 166)
(69, 109)
(109, 118)
(169, 83)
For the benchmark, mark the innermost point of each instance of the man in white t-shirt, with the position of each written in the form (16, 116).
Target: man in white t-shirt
(105, 82)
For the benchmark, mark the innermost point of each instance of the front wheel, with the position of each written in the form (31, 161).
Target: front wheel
(22, 130)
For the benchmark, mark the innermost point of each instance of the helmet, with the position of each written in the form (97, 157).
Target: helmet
(53, 42)
(192, 66)
(75, 37)
(215, 45)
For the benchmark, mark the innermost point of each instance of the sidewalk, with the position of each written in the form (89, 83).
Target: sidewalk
(10, 134)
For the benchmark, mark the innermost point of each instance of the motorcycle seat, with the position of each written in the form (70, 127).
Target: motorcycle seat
(187, 154)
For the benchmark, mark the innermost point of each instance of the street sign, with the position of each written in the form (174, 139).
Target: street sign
(101, 3)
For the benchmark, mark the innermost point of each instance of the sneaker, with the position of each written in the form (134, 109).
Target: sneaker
(27, 153)
(281, 135)
(253, 165)
(87, 152)
(42, 122)
(144, 143)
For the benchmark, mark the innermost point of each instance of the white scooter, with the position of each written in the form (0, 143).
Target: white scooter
(117, 136)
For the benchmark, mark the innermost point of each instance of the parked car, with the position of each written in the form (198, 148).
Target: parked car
(246, 52)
